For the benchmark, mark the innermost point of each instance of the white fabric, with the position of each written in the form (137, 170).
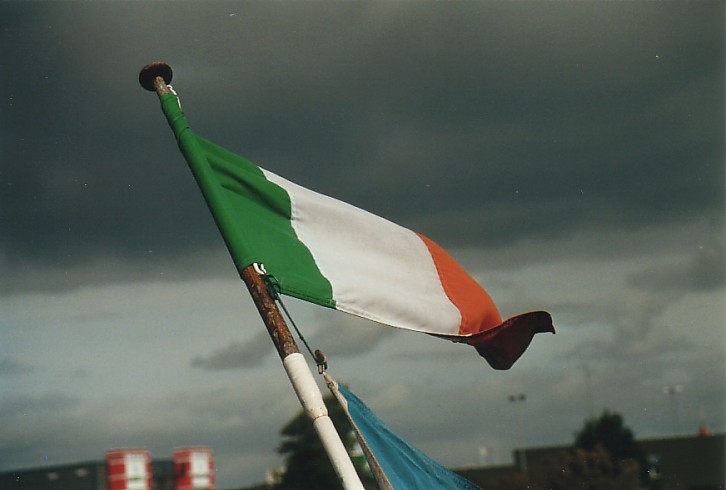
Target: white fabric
(377, 269)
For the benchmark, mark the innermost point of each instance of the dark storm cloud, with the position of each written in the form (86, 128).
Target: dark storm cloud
(476, 123)
(79, 174)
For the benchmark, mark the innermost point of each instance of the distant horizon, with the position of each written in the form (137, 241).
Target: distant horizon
(454, 467)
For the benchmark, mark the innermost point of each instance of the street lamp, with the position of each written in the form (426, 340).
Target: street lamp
(520, 398)
(672, 391)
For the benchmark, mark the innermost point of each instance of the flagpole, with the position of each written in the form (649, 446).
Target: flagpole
(155, 77)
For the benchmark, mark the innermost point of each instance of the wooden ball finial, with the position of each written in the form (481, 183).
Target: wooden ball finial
(150, 72)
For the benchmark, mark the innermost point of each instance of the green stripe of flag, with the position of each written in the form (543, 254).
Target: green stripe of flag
(252, 213)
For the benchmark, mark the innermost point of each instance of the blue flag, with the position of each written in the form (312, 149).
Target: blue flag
(395, 463)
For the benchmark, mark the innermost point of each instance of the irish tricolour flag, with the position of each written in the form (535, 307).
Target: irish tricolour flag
(325, 251)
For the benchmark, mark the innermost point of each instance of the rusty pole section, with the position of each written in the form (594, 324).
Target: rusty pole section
(270, 313)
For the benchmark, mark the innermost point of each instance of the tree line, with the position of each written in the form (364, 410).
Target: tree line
(605, 455)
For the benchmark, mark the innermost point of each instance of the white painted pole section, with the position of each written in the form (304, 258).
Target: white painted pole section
(308, 393)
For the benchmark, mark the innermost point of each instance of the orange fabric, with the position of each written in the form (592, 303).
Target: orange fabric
(478, 311)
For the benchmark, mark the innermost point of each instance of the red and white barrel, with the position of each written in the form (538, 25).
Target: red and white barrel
(194, 468)
(128, 469)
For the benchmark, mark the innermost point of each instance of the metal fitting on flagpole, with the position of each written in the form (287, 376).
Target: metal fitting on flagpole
(321, 360)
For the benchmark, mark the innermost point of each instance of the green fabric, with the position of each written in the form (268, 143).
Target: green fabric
(252, 213)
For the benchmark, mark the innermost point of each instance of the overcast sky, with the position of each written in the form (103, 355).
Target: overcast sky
(569, 154)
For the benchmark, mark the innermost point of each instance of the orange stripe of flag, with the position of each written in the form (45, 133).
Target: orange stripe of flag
(478, 311)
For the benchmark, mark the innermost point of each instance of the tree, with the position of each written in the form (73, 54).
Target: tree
(604, 456)
(593, 469)
(307, 466)
(617, 440)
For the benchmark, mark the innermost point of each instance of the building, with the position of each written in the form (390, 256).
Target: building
(122, 469)
(678, 463)
(91, 475)
(194, 468)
